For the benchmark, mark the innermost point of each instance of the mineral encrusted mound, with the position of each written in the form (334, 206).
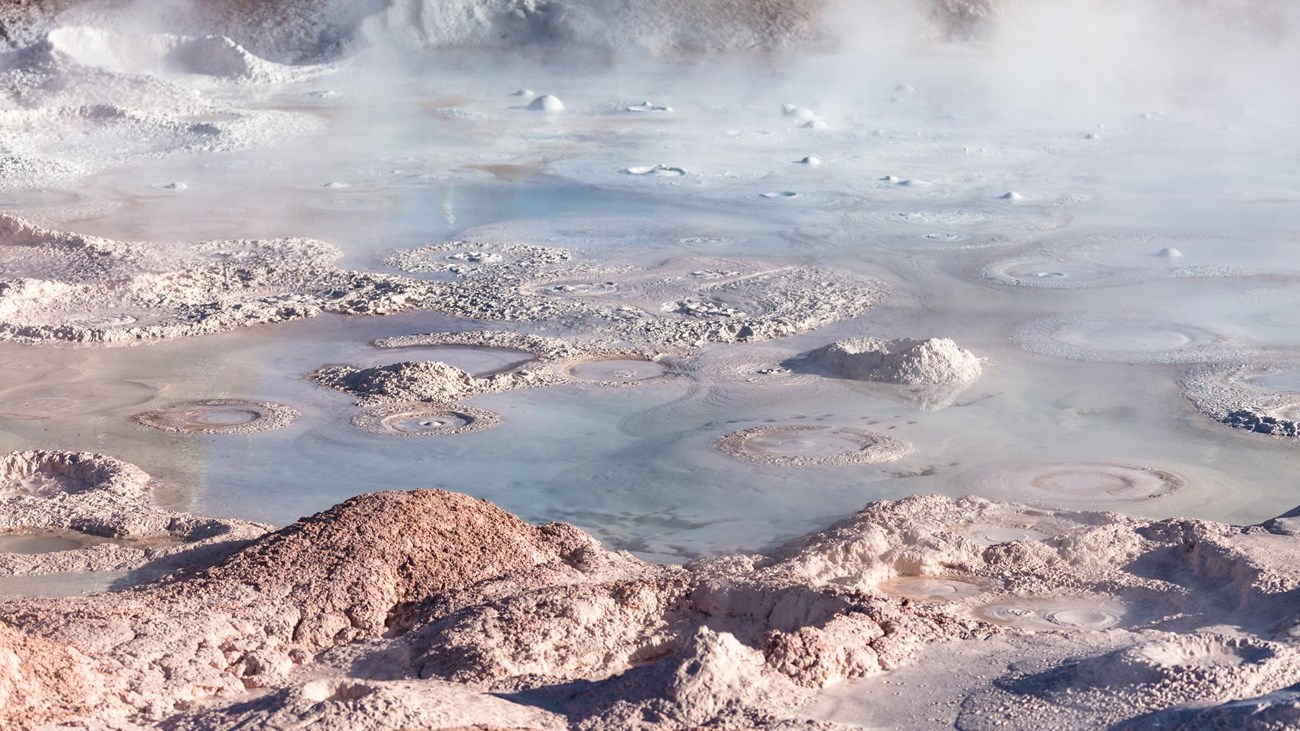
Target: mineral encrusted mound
(931, 362)
(405, 381)
(401, 607)
(66, 287)
(84, 498)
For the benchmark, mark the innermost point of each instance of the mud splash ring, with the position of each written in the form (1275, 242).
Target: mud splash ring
(1076, 614)
(615, 371)
(219, 416)
(802, 445)
(1084, 484)
(417, 419)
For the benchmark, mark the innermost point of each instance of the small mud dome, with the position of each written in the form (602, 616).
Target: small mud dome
(932, 362)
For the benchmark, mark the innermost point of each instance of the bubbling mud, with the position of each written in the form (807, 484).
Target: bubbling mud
(1121, 340)
(928, 588)
(616, 371)
(219, 416)
(466, 258)
(1072, 614)
(1081, 484)
(801, 445)
(421, 419)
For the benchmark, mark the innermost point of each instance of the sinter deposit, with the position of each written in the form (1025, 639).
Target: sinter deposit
(403, 609)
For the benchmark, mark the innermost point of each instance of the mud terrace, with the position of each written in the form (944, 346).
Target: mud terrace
(84, 289)
(1259, 398)
(681, 302)
(437, 610)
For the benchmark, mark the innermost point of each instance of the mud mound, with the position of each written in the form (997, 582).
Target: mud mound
(932, 362)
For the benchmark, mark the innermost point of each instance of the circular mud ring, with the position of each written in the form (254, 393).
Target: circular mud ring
(49, 474)
(1054, 273)
(220, 416)
(1083, 484)
(803, 445)
(579, 289)
(73, 399)
(929, 588)
(423, 420)
(616, 371)
(1121, 340)
(1194, 652)
(1078, 614)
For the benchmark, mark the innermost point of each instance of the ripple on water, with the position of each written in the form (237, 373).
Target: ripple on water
(1078, 614)
(801, 445)
(1122, 340)
(73, 399)
(1087, 485)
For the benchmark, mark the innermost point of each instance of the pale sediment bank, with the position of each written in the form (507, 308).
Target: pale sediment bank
(435, 609)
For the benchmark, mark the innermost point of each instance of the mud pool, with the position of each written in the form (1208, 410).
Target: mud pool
(1018, 231)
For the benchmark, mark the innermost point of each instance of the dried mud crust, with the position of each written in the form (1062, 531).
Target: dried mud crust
(219, 416)
(1243, 398)
(682, 302)
(803, 445)
(83, 289)
(462, 602)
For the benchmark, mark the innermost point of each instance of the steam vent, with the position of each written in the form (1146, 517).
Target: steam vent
(677, 364)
